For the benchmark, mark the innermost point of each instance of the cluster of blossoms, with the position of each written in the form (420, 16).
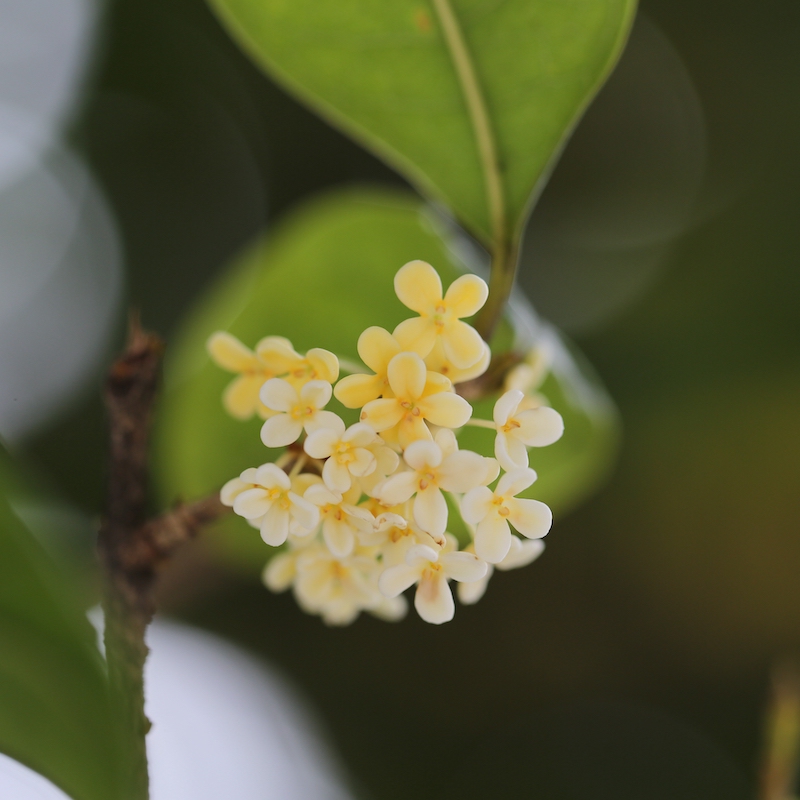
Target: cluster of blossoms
(362, 512)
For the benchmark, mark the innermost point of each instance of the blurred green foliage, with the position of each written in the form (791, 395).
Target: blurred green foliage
(54, 709)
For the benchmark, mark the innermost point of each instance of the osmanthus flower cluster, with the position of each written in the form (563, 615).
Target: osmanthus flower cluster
(364, 512)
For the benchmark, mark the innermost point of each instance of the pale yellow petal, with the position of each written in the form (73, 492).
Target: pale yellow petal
(417, 335)
(418, 286)
(446, 409)
(407, 374)
(376, 348)
(466, 296)
(539, 427)
(412, 429)
(240, 398)
(382, 414)
(316, 394)
(324, 364)
(462, 344)
(278, 355)
(355, 391)
(230, 354)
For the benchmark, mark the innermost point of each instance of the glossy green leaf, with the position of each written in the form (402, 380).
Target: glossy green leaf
(320, 279)
(470, 99)
(54, 710)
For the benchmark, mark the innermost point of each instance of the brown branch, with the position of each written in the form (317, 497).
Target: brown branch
(781, 749)
(132, 549)
(157, 539)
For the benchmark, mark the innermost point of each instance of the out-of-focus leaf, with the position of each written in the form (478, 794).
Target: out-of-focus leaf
(320, 279)
(54, 710)
(406, 77)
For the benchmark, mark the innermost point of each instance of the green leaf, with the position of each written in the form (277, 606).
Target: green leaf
(54, 711)
(470, 99)
(320, 279)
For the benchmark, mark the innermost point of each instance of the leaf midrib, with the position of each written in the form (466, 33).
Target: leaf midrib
(479, 118)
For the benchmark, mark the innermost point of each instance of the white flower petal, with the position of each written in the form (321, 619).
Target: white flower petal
(493, 538)
(511, 453)
(462, 471)
(514, 482)
(434, 600)
(272, 476)
(530, 517)
(363, 463)
(279, 573)
(280, 431)
(336, 476)
(338, 536)
(320, 495)
(321, 442)
(430, 511)
(360, 435)
(305, 513)
(231, 489)
(275, 526)
(476, 504)
(521, 553)
(420, 555)
(463, 566)
(422, 454)
(316, 394)
(506, 405)
(395, 580)
(470, 593)
(252, 503)
(319, 420)
(539, 427)
(398, 488)
(278, 395)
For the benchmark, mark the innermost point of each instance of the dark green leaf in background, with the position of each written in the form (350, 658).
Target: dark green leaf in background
(470, 99)
(54, 711)
(320, 279)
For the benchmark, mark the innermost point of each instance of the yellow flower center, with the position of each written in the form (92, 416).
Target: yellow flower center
(509, 426)
(298, 412)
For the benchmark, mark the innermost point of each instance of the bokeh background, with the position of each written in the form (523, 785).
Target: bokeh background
(633, 660)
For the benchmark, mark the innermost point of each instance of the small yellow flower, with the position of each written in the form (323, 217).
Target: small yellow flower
(493, 513)
(241, 395)
(376, 348)
(431, 569)
(519, 428)
(279, 356)
(301, 410)
(419, 395)
(419, 288)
